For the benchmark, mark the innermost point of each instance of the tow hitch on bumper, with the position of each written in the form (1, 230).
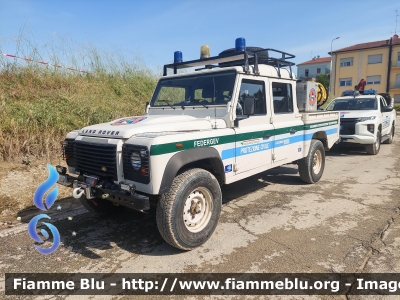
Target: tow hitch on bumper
(122, 194)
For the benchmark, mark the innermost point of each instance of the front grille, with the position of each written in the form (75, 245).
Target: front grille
(129, 172)
(348, 126)
(68, 152)
(96, 159)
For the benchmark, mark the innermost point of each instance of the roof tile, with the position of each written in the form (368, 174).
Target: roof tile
(382, 43)
(316, 61)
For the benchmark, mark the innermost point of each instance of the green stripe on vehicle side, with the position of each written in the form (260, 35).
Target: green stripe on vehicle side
(220, 140)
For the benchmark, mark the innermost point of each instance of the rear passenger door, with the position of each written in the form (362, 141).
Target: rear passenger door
(288, 127)
(385, 117)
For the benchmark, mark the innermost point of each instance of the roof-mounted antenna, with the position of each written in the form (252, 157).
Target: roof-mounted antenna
(395, 28)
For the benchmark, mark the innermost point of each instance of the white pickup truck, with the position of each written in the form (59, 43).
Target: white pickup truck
(365, 120)
(233, 117)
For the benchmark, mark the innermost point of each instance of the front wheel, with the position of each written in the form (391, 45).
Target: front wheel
(312, 166)
(188, 214)
(374, 148)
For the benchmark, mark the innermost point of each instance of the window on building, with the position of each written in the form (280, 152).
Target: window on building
(306, 72)
(282, 97)
(345, 82)
(398, 59)
(396, 98)
(346, 62)
(374, 79)
(375, 59)
(318, 70)
(253, 88)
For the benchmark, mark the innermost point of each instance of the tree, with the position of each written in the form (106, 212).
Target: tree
(324, 80)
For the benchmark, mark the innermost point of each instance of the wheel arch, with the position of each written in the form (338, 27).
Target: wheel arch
(205, 158)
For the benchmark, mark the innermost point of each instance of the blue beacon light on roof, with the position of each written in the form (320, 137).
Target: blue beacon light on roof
(178, 57)
(240, 45)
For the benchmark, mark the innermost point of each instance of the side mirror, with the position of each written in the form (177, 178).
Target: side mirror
(386, 109)
(147, 107)
(249, 104)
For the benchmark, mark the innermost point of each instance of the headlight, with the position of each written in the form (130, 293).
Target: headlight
(366, 119)
(136, 161)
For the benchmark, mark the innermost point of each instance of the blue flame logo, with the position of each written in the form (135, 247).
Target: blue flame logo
(44, 187)
(49, 201)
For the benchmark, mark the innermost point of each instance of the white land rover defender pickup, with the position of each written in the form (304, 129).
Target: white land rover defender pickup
(365, 119)
(234, 116)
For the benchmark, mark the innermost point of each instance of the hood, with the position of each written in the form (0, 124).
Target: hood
(357, 113)
(129, 126)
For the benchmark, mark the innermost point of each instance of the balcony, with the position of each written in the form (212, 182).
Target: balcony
(396, 64)
(395, 86)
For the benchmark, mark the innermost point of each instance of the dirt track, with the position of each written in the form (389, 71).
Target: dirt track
(271, 222)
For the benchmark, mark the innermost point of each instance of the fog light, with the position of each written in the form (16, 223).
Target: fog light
(128, 187)
(371, 128)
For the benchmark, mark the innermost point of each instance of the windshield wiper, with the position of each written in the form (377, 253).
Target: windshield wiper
(167, 103)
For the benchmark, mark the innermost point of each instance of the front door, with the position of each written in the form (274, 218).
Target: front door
(254, 135)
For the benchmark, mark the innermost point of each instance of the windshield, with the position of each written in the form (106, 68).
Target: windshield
(203, 90)
(353, 104)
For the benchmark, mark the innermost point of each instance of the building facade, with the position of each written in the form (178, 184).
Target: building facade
(378, 63)
(313, 67)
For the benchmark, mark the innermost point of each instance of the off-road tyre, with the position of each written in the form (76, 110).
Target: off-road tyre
(262, 57)
(99, 207)
(391, 136)
(374, 148)
(191, 191)
(312, 166)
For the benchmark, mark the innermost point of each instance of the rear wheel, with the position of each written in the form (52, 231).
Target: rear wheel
(312, 166)
(374, 148)
(391, 136)
(188, 214)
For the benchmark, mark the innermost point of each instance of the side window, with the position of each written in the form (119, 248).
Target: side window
(383, 103)
(256, 89)
(282, 97)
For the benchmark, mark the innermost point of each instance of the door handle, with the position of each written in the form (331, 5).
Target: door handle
(292, 131)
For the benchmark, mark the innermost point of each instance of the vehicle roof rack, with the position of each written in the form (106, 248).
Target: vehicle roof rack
(237, 57)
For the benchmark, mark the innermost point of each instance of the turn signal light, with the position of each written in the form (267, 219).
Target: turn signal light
(144, 171)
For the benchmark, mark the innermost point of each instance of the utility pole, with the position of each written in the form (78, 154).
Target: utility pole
(330, 76)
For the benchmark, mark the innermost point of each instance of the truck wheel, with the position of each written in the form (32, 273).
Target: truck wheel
(374, 148)
(188, 214)
(391, 136)
(312, 166)
(98, 207)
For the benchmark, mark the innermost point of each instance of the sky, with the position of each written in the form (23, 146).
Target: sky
(152, 30)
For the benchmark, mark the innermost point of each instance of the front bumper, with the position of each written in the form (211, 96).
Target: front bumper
(90, 189)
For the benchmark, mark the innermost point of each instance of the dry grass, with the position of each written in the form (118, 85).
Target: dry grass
(39, 105)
